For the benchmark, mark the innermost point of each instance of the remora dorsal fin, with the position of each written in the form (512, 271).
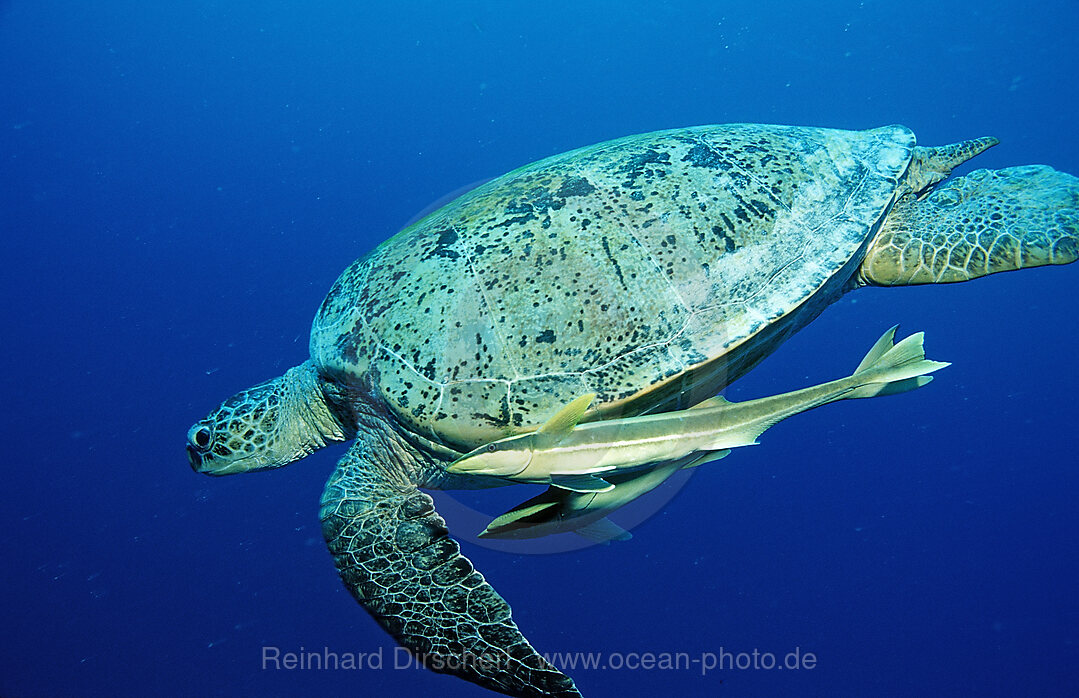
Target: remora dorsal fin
(717, 401)
(567, 417)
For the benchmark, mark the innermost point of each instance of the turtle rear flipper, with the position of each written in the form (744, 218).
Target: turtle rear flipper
(986, 222)
(394, 554)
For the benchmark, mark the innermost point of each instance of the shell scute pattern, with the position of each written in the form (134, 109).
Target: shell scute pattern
(611, 269)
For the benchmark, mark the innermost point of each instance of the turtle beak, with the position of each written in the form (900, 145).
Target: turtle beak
(195, 458)
(204, 463)
(209, 464)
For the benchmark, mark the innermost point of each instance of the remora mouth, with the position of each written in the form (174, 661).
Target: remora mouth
(504, 459)
(460, 466)
(472, 463)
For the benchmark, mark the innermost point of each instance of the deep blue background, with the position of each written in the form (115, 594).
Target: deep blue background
(181, 182)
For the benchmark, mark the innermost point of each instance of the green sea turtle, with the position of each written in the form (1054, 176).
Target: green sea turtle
(634, 277)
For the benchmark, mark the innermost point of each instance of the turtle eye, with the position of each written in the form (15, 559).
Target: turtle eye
(201, 437)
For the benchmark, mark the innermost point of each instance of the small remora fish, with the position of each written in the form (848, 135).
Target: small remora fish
(575, 456)
(585, 513)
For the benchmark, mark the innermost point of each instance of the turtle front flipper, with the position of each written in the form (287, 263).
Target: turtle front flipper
(986, 222)
(394, 554)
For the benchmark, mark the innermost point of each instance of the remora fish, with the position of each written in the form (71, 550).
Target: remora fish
(562, 511)
(569, 455)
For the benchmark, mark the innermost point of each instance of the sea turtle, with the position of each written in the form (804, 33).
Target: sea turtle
(646, 272)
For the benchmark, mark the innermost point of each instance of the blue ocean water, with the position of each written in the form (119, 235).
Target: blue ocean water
(180, 183)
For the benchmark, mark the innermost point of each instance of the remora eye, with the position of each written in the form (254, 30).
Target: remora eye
(200, 437)
(491, 448)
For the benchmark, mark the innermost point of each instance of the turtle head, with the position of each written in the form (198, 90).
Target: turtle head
(266, 426)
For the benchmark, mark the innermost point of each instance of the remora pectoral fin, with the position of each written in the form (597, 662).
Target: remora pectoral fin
(603, 531)
(517, 517)
(581, 483)
(707, 457)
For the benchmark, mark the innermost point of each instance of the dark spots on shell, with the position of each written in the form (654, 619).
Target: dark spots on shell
(540, 200)
(575, 186)
(349, 347)
(637, 195)
(728, 241)
(546, 337)
(443, 245)
(446, 237)
(700, 155)
(614, 262)
(763, 208)
(643, 164)
(489, 419)
(519, 213)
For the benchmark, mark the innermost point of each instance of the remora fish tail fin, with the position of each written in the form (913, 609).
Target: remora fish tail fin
(886, 370)
(895, 368)
(886, 342)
